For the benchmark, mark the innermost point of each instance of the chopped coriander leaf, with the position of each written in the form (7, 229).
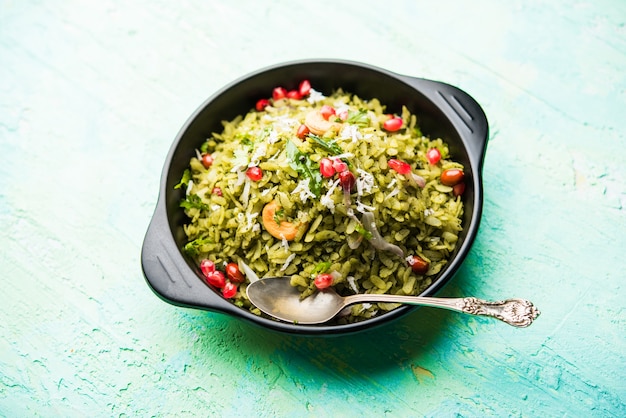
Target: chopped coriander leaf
(184, 180)
(194, 201)
(247, 142)
(279, 215)
(301, 162)
(193, 248)
(358, 118)
(321, 267)
(204, 148)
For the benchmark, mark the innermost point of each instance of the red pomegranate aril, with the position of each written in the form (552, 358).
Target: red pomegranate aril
(294, 94)
(323, 281)
(303, 131)
(207, 160)
(418, 264)
(233, 273)
(433, 156)
(262, 104)
(326, 167)
(327, 111)
(304, 88)
(216, 191)
(279, 93)
(254, 173)
(207, 267)
(451, 176)
(216, 279)
(458, 189)
(347, 180)
(399, 166)
(339, 165)
(392, 125)
(230, 290)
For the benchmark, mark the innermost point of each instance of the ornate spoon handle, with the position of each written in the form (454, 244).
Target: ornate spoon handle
(517, 312)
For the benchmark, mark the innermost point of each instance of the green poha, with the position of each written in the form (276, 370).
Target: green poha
(329, 190)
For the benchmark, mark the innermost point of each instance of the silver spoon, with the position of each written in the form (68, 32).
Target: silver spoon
(276, 297)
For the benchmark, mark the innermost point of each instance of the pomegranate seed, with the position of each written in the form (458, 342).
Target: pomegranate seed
(294, 94)
(326, 167)
(233, 273)
(433, 156)
(229, 290)
(322, 281)
(305, 88)
(400, 166)
(303, 131)
(262, 104)
(207, 267)
(339, 165)
(452, 176)
(458, 189)
(216, 279)
(418, 264)
(343, 115)
(279, 93)
(207, 160)
(392, 125)
(254, 173)
(217, 191)
(347, 180)
(327, 111)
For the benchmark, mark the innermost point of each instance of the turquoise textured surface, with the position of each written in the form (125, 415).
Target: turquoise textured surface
(92, 95)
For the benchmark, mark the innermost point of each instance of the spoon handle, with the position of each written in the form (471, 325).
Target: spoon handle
(516, 312)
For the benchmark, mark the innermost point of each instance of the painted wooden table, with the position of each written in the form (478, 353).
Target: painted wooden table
(92, 95)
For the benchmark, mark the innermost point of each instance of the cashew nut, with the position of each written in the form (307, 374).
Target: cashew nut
(318, 125)
(283, 230)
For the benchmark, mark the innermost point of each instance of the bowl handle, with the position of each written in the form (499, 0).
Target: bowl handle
(167, 272)
(465, 113)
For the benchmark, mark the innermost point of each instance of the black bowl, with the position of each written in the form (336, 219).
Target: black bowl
(442, 110)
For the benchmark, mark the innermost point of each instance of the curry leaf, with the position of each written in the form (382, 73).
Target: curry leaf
(329, 146)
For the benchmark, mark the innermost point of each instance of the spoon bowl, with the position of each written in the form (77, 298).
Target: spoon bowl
(276, 297)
